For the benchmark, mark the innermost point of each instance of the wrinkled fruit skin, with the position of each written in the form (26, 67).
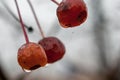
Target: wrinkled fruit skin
(31, 56)
(71, 13)
(53, 47)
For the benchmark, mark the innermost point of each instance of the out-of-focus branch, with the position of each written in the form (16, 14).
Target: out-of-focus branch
(102, 41)
(100, 32)
(2, 74)
(29, 28)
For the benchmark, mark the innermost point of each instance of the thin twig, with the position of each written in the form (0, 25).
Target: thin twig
(21, 22)
(55, 2)
(36, 19)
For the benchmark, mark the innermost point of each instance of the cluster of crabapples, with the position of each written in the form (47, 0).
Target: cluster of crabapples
(31, 55)
(48, 50)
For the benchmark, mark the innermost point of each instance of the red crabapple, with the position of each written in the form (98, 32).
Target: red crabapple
(31, 56)
(71, 13)
(53, 47)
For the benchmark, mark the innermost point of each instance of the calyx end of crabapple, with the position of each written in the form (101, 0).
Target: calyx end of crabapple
(35, 67)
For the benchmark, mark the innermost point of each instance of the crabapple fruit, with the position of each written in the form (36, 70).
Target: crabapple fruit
(71, 13)
(53, 47)
(31, 56)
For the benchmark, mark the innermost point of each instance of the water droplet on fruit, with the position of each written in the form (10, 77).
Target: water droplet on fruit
(27, 71)
(47, 65)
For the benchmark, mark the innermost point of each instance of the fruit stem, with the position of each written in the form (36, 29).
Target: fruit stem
(36, 19)
(21, 22)
(55, 2)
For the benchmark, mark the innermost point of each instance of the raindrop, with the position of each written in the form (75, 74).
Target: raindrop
(25, 70)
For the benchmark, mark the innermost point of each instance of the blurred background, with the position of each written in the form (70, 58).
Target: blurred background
(92, 49)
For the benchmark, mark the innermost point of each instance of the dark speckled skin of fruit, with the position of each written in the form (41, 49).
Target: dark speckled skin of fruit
(53, 47)
(31, 56)
(71, 13)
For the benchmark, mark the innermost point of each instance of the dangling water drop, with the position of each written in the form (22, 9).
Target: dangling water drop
(47, 65)
(27, 71)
